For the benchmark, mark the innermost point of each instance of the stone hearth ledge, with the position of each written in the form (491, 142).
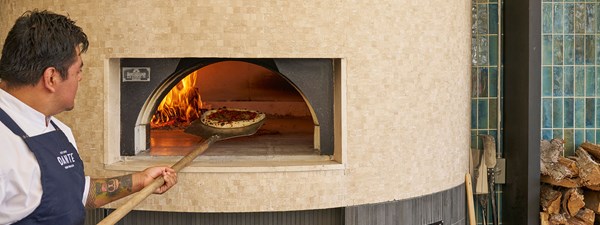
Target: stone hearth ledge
(228, 164)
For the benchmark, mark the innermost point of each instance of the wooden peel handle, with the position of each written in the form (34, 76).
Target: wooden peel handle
(182, 163)
(138, 197)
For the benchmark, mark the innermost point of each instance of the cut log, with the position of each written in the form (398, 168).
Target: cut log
(549, 152)
(586, 215)
(593, 187)
(544, 218)
(583, 217)
(575, 221)
(553, 163)
(564, 168)
(592, 200)
(589, 170)
(593, 149)
(565, 182)
(550, 199)
(569, 165)
(572, 201)
(556, 219)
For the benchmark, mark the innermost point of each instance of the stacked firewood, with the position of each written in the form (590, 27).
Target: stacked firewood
(570, 191)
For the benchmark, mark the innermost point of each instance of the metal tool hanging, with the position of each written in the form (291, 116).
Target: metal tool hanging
(489, 155)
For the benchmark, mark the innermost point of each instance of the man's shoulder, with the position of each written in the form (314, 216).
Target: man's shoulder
(6, 133)
(14, 148)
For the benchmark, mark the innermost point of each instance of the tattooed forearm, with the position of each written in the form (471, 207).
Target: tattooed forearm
(103, 191)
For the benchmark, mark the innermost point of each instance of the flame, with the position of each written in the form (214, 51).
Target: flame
(180, 106)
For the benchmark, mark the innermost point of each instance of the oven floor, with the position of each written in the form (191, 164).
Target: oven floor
(291, 136)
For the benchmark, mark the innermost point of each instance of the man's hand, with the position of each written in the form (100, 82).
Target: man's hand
(150, 174)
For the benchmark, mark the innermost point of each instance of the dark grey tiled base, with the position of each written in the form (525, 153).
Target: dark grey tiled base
(447, 206)
(309, 217)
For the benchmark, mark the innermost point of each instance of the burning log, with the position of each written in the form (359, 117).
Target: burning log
(180, 106)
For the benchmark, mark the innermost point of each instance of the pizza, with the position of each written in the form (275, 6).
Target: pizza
(230, 117)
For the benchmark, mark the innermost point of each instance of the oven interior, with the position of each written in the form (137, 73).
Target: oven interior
(161, 97)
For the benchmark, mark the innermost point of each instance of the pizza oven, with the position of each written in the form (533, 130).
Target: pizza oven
(160, 97)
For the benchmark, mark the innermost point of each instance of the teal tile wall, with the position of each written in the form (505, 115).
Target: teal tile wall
(486, 91)
(570, 104)
(570, 71)
(485, 73)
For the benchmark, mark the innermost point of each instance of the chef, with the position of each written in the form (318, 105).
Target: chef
(42, 179)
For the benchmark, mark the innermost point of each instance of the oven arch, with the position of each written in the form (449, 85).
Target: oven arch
(312, 78)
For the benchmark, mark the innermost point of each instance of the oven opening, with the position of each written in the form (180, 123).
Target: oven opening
(160, 98)
(288, 127)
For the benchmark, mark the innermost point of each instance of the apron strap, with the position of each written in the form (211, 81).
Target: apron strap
(54, 125)
(10, 123)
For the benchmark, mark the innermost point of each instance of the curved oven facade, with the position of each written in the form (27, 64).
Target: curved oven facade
(401, 100)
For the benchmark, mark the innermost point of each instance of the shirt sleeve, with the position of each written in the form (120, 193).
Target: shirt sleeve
(86, 190)
(2, 187)
(4, 218)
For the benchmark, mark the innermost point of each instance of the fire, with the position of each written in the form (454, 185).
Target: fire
(180, 106)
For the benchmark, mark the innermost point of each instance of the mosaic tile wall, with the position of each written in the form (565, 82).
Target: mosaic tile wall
(486, 77)
(570, 72)
(484, 71)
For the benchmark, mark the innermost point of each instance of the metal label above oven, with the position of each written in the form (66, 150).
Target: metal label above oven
(136, 74)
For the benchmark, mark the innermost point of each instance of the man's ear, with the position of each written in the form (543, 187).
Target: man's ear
(50, 79)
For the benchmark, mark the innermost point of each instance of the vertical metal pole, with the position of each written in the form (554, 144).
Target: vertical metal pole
(522, 98)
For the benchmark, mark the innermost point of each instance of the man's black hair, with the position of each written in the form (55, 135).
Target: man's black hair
(38, 40)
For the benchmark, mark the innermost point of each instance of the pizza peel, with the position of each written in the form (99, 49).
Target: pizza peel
(210, 136)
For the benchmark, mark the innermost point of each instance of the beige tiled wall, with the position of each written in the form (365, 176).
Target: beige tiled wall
(407, 89)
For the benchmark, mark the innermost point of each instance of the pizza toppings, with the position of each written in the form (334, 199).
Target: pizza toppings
(230, 118)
